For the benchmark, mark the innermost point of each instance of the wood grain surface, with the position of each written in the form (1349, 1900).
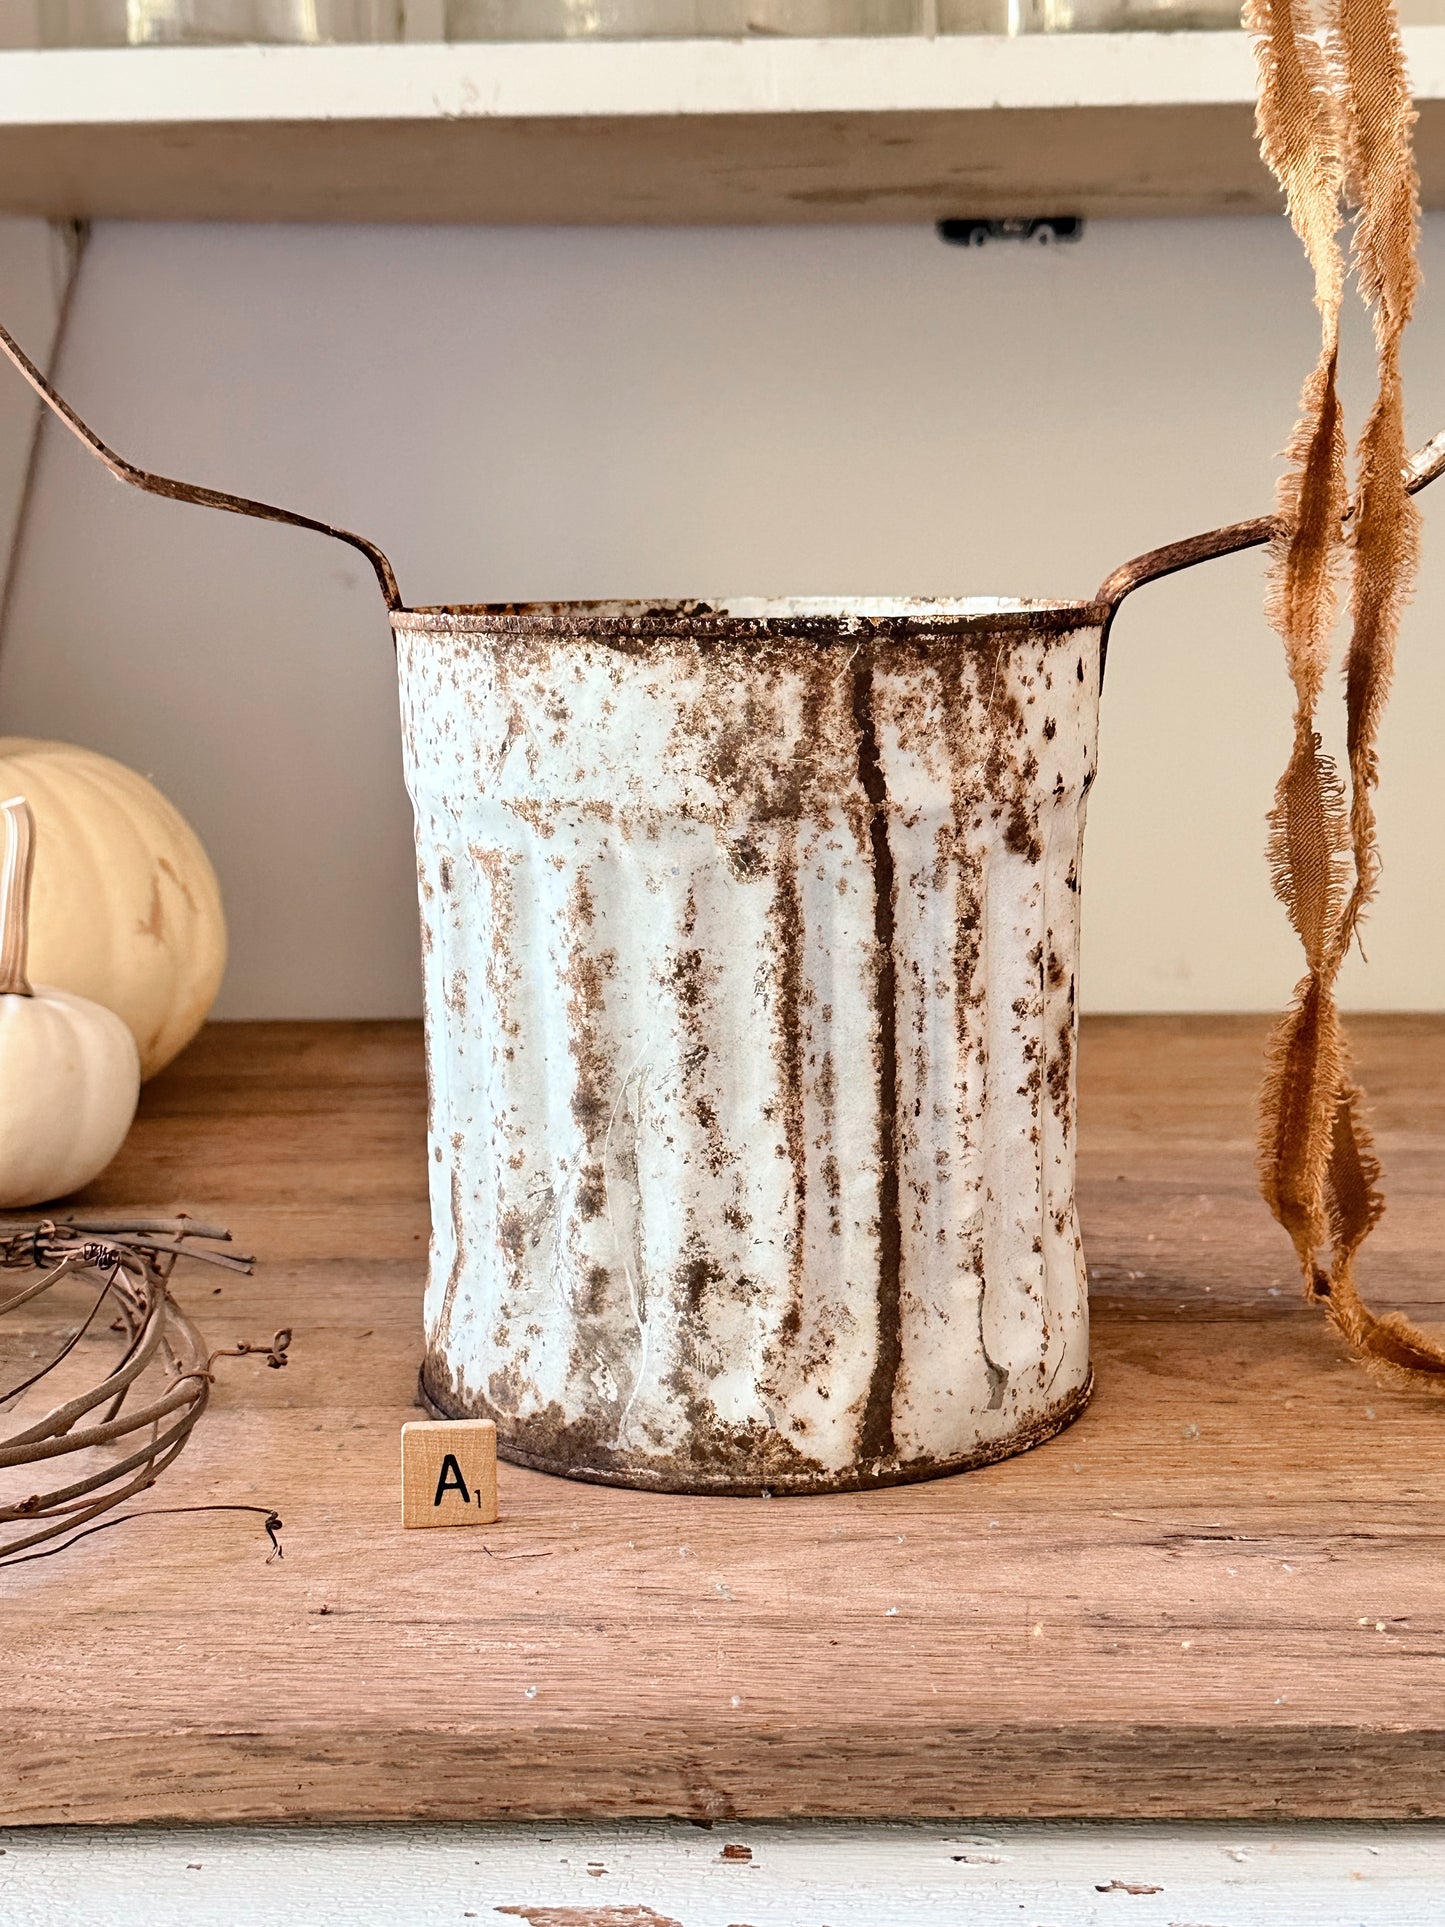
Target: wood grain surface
(1220, 1594)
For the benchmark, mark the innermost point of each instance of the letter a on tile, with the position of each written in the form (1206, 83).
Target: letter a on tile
(449, 1472)
(451, 1480)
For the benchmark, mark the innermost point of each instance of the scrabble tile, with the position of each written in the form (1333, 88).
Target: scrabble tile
(449, 1472)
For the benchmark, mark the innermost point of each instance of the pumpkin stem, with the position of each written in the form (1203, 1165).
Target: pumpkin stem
(16, 869)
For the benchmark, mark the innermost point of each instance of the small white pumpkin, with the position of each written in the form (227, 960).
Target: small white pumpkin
(126, 909)
(69, 1069)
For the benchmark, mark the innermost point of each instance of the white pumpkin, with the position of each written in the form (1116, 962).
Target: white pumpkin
(126, 909)
(69, 1069)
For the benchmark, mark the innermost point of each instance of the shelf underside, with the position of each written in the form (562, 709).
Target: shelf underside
(910, 166)
(672, 132)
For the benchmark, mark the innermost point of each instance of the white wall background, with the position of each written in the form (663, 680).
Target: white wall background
(519, 413)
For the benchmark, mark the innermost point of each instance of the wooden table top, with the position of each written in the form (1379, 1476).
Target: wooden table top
(1221, 1593)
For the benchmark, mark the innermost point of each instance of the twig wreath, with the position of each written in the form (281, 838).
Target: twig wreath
(163, 1361)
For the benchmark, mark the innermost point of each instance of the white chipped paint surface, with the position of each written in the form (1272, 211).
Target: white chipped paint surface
(750, 950)
(656, 1874)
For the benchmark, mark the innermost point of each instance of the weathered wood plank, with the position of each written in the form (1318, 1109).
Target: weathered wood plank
(1217, 1595)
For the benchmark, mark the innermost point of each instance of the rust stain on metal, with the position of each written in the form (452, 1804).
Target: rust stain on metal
(590, 1916)
(875, 1432)
(459, 1250)
(750, 993)
(788, 940)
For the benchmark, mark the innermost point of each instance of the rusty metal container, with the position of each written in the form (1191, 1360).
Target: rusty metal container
(750, 936)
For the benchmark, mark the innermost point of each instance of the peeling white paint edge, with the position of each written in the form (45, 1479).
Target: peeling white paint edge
(640, 79)
(799, 1875)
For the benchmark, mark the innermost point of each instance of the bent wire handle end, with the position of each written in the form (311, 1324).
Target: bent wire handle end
(1423, 467)
(1426, 463)
(186, 491)
(1183, 555)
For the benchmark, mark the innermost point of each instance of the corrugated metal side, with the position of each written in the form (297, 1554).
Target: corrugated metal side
(750, 1002)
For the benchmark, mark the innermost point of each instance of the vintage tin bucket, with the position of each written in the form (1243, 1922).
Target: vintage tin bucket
(750, 933)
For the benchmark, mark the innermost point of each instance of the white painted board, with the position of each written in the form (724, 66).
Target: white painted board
(672, 1874)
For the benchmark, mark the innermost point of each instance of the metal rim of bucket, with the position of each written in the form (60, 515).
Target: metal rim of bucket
(752, 618)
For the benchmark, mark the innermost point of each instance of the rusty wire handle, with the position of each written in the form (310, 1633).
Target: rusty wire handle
(1422, 468)
(206, 498)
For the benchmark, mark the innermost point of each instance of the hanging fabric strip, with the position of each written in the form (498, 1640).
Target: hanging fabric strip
(1334, 125)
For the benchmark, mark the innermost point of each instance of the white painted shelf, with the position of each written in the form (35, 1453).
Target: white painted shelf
(672, 131)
